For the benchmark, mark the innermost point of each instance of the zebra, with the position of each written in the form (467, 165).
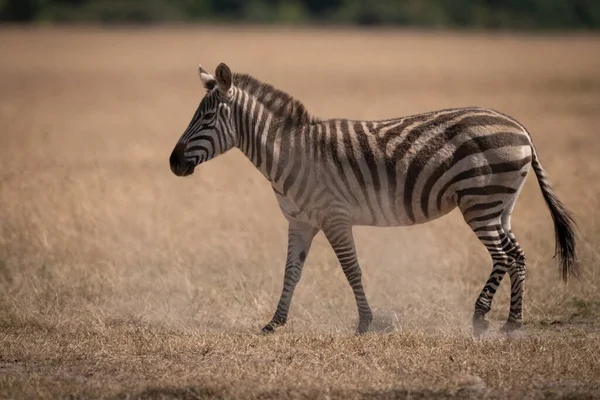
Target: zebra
(330, 175)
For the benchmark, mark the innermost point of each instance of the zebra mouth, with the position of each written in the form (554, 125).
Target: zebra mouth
(180, 169)
(187, 170)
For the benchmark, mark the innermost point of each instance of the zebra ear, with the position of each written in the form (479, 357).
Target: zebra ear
(207, 79)
(224, 77)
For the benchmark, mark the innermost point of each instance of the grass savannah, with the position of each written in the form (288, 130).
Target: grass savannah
(118, 280)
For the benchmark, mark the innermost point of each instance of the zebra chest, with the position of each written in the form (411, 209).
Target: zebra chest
(292, 211)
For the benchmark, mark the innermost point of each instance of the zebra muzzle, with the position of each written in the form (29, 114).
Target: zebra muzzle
(178, 163)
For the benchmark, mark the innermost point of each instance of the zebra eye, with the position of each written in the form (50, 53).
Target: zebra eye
(209, 115)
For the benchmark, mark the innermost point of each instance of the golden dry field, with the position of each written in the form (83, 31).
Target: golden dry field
(120, 280)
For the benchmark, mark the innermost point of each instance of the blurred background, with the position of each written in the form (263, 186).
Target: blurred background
(488, 14)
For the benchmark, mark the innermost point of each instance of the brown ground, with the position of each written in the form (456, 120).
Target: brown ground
(118, 279)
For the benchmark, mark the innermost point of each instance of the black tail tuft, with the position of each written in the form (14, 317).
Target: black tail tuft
(565, 235)
(564, 224)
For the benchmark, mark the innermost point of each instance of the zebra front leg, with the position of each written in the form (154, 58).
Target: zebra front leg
(341, 240)
(300, 237)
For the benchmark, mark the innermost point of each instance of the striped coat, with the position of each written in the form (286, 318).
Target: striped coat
(329, 175)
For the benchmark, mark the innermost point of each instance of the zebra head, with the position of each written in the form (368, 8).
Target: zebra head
(210, 131)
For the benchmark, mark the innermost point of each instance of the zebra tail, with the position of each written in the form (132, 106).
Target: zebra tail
(564, 223)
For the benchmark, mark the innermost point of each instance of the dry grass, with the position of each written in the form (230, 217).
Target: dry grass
(119, 280)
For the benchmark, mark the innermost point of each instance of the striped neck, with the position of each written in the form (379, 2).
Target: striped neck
(262, 133)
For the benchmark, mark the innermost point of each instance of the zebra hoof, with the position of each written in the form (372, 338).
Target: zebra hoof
(268, 329)
(480, 325)
(363, 326)
(271, 327)
(512, 326)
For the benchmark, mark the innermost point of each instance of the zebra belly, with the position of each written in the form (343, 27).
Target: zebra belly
(393, 213)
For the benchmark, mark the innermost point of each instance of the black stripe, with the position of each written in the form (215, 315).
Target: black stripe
(270, 145)
(476, 145)
(323, 146)
(353, 163)
(242, 123)
(403, 148)
(302, 194)
(485, 217)
(500, 237)
(307, 192)
(429, 150)
(482, 206)
(252, 132)
(489, 228)
(219, 127)
(367, 152)
(295, 159)
(251, 126)
(284, 149)
(237, 118)
(404, 123)
(260, 132)
(371, 125)
(198, 147)
(258, 126)
(488, 169)
(484, 191)
(333, 143)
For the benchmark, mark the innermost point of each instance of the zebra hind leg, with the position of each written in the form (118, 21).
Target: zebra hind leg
(517, 277)
(484, 218)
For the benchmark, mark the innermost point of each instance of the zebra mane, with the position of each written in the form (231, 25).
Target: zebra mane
(275, 100)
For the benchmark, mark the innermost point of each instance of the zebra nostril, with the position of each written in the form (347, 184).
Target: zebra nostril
(178, 153)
